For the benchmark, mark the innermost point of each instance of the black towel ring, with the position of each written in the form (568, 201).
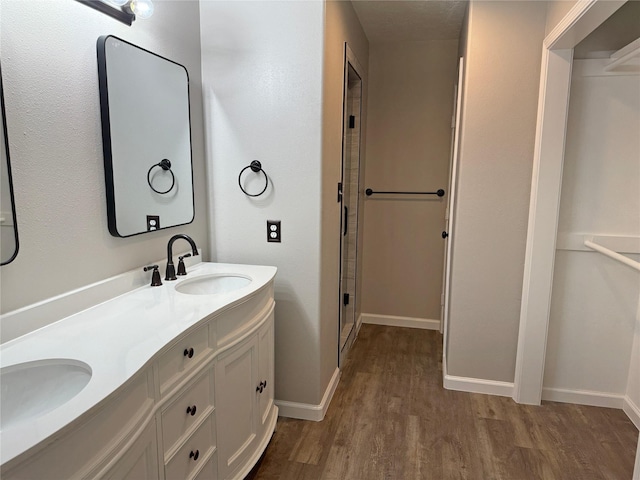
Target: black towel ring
(256, 167)
(165, 165)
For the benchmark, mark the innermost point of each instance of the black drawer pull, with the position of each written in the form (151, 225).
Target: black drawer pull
(195, 454)
(188, 352)
(191, 410)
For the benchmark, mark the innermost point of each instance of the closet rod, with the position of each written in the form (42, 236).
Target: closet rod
(612, 254)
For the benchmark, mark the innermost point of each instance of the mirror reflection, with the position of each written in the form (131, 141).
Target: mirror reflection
(146, 136)
(8, 225)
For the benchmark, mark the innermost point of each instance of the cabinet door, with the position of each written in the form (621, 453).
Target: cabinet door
(265, 370)
(141, 460)
(235, 392)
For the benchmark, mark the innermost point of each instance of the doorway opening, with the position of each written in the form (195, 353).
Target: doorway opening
(351, 146)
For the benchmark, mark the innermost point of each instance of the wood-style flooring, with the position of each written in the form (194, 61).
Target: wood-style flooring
(391, 419)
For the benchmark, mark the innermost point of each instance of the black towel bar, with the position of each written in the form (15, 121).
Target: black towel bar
(439, 192)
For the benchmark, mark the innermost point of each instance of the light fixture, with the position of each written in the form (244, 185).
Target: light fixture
(140, 8)
(125, 11)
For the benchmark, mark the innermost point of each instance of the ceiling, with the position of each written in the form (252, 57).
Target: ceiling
(413, 20)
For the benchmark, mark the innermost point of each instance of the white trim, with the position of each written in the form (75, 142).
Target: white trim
(478, 385)
(583, 397)
(453, 175)
(475, 385)
(583, 18)
(306, 411)
(633, 412)
(395, 321)
(544, 206)
(358, 325)
(546, 183)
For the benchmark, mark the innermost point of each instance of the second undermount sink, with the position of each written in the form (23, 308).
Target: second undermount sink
(32, 389)
(213, 284)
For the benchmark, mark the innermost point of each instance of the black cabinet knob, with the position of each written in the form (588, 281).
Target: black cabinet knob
(195, 454)
(191, 410)
(445, 234)
(188, 352)
(259, 388)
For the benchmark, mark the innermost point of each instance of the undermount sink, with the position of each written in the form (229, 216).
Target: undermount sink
(213, 284)
(32, 389)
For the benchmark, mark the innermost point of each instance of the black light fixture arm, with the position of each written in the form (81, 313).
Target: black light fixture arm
(111, 10)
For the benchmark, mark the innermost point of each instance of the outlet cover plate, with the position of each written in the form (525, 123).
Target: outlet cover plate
(273, 231)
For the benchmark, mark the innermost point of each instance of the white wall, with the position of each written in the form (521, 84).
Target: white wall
(501, 81)
(49, 70)
(262, 82)
(595, 299)
(408, 148)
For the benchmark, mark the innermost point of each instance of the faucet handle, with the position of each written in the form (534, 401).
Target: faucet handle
(182, 270)
(155, 277)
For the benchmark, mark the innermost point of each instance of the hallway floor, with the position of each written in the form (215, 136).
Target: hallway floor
(391, 419)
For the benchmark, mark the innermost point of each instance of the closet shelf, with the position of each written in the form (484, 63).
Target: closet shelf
(627, 59)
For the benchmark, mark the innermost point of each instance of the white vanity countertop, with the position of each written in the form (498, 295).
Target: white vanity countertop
(116, 339)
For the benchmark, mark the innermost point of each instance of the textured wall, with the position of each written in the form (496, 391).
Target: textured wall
(49, 69)
(262, 77)
(501, 81)
(409, 143)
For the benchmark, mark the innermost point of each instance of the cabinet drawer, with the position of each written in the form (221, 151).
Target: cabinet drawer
(185, 355)
(178, 416)
(184, 463)
(210, 470)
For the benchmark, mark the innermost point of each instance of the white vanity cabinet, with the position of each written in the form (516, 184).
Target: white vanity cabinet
(140, 460)
(201, 408)
(245, 395)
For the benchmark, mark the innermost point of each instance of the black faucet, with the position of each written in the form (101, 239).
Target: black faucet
(171, 270)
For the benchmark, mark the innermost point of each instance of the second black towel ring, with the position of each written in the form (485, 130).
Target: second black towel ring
(165, 165)
(256, 167)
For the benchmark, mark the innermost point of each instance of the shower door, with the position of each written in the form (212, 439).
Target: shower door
(352, 108)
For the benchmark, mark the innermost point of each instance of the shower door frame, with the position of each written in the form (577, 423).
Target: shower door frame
(350, 61)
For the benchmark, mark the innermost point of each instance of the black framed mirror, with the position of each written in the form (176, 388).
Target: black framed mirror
(146, 137)
(8, 222)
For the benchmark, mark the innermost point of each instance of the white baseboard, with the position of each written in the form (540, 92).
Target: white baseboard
(358, 324)
(583, 397)
(306, 411)
(475, 385)
(633, 412)
(394, 321)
